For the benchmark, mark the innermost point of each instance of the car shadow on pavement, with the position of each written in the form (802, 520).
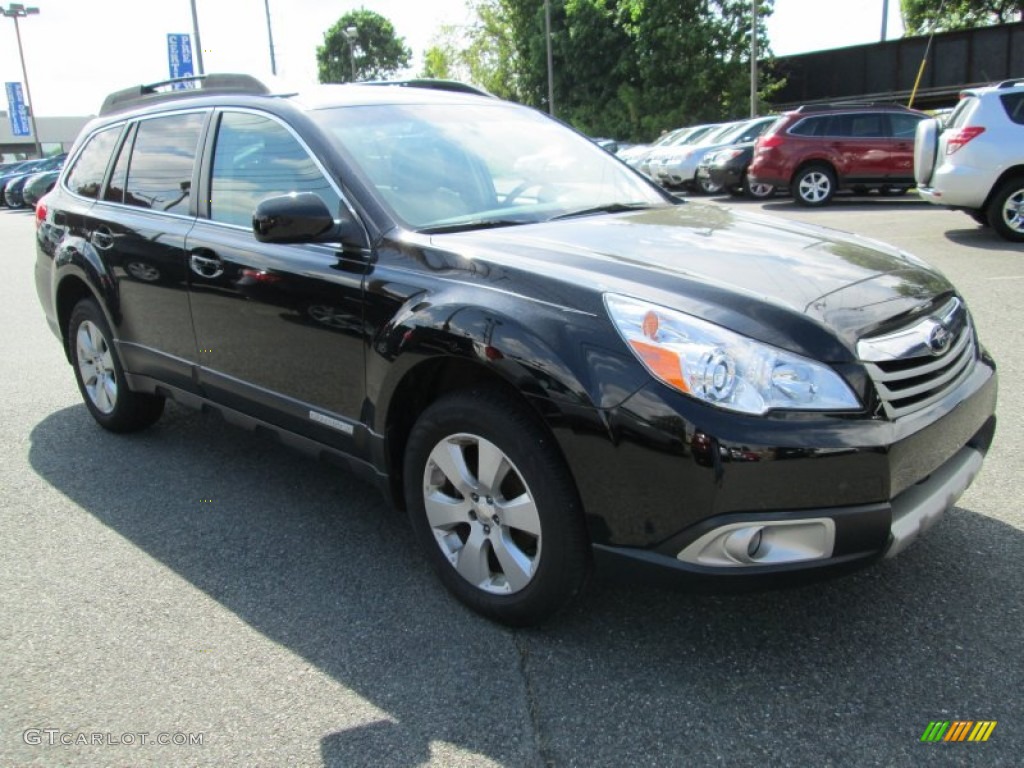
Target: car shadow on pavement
(847, 672)
(984, 238)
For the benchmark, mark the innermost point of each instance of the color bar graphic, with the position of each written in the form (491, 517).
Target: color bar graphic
(958, 730)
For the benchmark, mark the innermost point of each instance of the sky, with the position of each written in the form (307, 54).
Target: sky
(77, 51)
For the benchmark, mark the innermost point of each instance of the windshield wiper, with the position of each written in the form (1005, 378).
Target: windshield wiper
(607, 208)
(466, 226)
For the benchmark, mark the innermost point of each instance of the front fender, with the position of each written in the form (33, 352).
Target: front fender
(546, 353)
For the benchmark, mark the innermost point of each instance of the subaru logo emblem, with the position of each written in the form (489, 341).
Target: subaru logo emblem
(939, 339)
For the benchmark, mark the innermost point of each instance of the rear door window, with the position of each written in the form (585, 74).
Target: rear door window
(160, 171)
(86, 177)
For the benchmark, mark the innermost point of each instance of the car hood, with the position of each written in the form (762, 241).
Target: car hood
(759, 275)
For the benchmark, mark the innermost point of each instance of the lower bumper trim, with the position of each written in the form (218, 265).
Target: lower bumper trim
(918, 507)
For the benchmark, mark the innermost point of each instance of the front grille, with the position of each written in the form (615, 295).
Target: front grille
(908, 373)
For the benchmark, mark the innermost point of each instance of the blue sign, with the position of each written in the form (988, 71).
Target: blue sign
(17, 110)
(179, 59)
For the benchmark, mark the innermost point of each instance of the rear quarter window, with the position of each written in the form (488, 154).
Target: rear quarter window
(86, 177)
(812, 126)
(1013, 103)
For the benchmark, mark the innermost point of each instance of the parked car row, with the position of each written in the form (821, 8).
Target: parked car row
(23, 184)
(811, 152)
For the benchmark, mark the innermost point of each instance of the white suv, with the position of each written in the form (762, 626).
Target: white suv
(975, 162)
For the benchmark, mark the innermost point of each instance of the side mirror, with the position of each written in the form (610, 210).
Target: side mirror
(301, 217)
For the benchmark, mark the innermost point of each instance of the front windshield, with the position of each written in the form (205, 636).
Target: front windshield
(467, 165)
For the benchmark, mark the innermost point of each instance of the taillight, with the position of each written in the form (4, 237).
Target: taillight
(768, 142)
(40, 213)
(961, 137)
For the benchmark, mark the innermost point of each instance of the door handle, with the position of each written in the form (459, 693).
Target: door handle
(206, 266)
(102, 238)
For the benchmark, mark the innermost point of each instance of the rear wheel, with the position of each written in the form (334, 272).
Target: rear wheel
(814, 185)
(1006, 211)
(100, 376)
(492, 503)
(757, 190)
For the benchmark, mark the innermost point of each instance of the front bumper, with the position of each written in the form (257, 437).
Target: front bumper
(726, 176)
(677, 473)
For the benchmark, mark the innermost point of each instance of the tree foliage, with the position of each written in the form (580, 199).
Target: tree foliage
(625, 68)
(920, 15)
(377, 51)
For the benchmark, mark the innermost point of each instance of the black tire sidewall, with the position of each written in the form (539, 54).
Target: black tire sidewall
(564, 558)
(995, 209)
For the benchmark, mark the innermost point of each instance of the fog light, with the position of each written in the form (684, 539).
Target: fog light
(765, 542)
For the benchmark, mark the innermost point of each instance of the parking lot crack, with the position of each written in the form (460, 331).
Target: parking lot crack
(539, 741)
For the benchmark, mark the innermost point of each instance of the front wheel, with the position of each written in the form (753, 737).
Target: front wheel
(1006, 211)
(814, 186)
(492, 503)
(708, 187)
(100, 376)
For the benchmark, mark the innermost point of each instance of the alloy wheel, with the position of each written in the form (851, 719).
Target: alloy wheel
(815, 187)
(96, 366)
(482, 514)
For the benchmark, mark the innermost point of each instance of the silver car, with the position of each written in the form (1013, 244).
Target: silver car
(975, 161)
(695, 135)
(679, 168)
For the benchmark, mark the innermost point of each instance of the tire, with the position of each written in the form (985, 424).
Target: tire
(979, 216)
(100, 376)
(708, 187)
(757, 191)
(510, 543)
(1006, 210)
(814, 185)
(926, 147)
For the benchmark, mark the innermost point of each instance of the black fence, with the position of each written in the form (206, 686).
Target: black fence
(886, 71)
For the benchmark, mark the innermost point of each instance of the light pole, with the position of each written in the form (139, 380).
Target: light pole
(753, 58)
(551, 64)
(270, 36)
(350, 36)
(17, 11)
(198, 53)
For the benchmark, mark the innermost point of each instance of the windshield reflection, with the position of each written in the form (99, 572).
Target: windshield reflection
(474, 166)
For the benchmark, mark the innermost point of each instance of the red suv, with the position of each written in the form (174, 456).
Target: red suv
(815, 150)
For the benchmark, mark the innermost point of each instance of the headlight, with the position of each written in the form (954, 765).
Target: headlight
(725, 156)
(723, 368)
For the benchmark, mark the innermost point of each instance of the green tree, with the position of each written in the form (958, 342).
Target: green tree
(377, 52)
(919, 15)
(627, 68)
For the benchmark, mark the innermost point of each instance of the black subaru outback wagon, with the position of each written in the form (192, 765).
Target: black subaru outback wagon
(545, 359)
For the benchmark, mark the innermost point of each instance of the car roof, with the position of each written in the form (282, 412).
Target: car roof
(236, 89)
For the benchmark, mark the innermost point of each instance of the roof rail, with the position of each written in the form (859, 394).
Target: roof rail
(139, 95)
(846, 105)
(437, 84)
(1010, 83)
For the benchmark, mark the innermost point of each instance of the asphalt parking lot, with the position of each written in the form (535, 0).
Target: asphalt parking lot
(199, 583)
